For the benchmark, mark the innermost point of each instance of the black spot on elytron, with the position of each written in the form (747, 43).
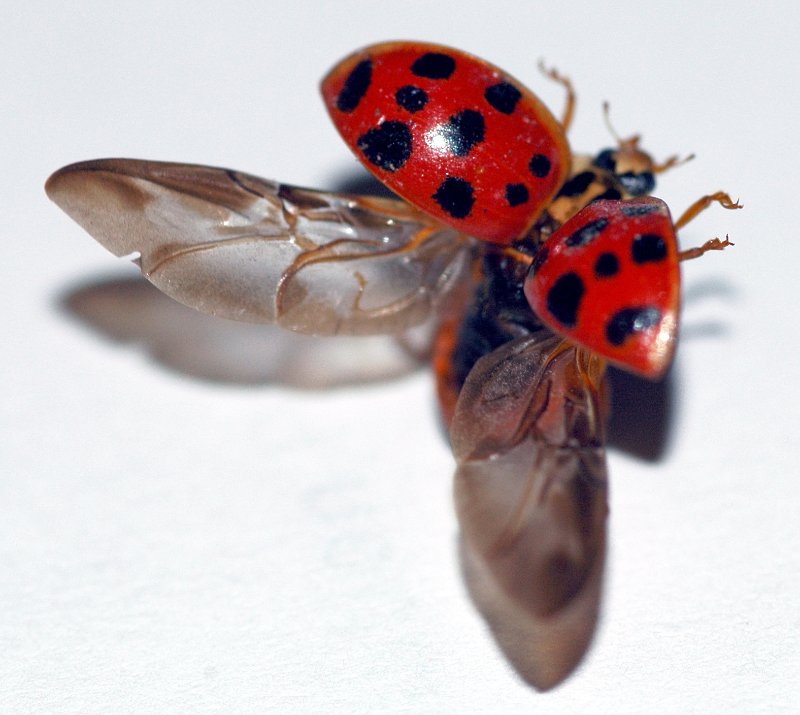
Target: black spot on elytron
(463, 131)
(455, 196)
(564, 299)
(355, 86)
(635, 209)
(516, 194)
(587, 234)
(606, 159)
(637, 184)
(648, 247)
(539, 166)
(388, 146)
(606, 265)
(411, 98)
(577, 184)
(628, 321)
(610, 194)
(503, 97)
(434, 65)
(539, 259)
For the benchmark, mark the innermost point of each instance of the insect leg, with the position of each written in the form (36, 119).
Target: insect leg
(714, 244)
(719, 197)
(670, 162)
(569, 105)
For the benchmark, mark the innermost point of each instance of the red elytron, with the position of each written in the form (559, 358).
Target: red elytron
(576, 265)
(609, 280)
(451, 134)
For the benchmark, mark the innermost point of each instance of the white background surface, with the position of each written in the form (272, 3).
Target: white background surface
(169, 543)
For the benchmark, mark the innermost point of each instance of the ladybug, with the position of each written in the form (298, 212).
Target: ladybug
(532, 267)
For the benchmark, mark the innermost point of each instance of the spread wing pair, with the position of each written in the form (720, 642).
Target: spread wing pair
(530, 485)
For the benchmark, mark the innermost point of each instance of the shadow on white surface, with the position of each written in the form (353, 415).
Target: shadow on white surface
(132, 311)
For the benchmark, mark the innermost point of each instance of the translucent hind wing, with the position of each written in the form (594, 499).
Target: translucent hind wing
(234, 245)
(531, 498)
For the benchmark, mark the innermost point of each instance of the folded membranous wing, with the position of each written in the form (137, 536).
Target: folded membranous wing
(531, 497)
(241, 247)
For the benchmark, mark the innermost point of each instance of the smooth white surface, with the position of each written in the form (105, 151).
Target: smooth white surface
(174, 544)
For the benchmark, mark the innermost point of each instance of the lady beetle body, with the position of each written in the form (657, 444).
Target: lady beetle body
(525, 408)
(450, 133)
